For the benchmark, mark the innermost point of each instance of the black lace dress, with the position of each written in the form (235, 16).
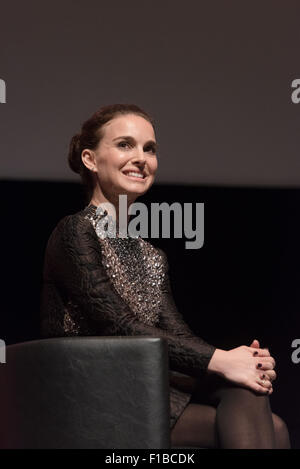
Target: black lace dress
(117, 286)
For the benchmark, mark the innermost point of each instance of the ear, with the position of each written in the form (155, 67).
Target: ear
(89, 160)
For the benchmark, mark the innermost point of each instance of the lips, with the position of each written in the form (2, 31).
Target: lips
(128, 171)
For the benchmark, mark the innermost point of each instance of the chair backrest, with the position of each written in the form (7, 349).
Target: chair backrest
(85, 392)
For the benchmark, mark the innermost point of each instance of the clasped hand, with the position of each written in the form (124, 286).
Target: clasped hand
(251, 367)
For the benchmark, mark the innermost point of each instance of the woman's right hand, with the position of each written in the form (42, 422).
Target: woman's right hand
(242, 367)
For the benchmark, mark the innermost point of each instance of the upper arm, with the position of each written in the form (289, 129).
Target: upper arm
(75, 263)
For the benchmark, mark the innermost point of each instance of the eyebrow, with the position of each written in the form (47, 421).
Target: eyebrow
(129, 137)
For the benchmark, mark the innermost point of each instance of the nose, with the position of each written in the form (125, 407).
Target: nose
(139, 157)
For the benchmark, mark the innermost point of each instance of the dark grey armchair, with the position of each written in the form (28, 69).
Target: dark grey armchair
(85, 392)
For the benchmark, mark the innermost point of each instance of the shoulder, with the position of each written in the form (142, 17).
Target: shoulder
(161, 253)
(72, 229)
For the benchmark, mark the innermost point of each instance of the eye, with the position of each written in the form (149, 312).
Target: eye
(122, 143)
(152, 149)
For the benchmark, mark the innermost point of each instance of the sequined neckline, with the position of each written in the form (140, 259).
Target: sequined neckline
(89, 207)
(90, 213)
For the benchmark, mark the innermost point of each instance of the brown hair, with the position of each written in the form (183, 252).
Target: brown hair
(90, 136)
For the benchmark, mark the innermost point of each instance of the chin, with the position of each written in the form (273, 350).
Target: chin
(135, 188)
(134, 192)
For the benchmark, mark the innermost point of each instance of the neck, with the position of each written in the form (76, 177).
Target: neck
(113, 204)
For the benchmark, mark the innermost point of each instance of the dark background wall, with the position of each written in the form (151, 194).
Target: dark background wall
(216, 76)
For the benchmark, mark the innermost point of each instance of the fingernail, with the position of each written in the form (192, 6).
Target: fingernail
(255, 353)
(259, 365)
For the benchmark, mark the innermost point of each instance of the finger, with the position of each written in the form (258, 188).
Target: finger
(255, 343)
(260, 389)
(265, 382)
(271, 374)
(261, 353)
(265, 361)
(266, 357)
(264, 366)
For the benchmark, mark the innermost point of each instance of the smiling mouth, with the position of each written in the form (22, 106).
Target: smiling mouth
(135, 178)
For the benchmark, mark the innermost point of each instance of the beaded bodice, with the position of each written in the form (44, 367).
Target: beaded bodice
(135, 268)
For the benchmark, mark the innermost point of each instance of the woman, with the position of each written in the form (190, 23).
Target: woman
(97, 285)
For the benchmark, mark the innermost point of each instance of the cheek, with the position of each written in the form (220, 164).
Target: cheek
(153, 166)
(118, 161)
(111, 162)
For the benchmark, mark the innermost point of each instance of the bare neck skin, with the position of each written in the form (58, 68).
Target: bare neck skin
(100, 198)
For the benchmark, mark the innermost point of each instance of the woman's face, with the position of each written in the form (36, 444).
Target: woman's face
(128, 145)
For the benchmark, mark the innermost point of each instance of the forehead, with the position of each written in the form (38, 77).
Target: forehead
(135, 126)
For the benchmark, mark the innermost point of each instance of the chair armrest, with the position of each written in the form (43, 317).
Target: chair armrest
(86, 392)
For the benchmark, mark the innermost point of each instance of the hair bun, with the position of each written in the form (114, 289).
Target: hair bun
(74, 156)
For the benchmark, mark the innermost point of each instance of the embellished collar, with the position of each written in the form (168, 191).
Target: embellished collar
(90, 213)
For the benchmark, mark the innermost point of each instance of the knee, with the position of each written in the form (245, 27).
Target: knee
(246, 397)
(279, 424)
(281, 432)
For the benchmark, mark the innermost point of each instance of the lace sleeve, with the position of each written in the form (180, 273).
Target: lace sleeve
(75, 264)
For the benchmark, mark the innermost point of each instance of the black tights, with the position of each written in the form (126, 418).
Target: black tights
(224, 415)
